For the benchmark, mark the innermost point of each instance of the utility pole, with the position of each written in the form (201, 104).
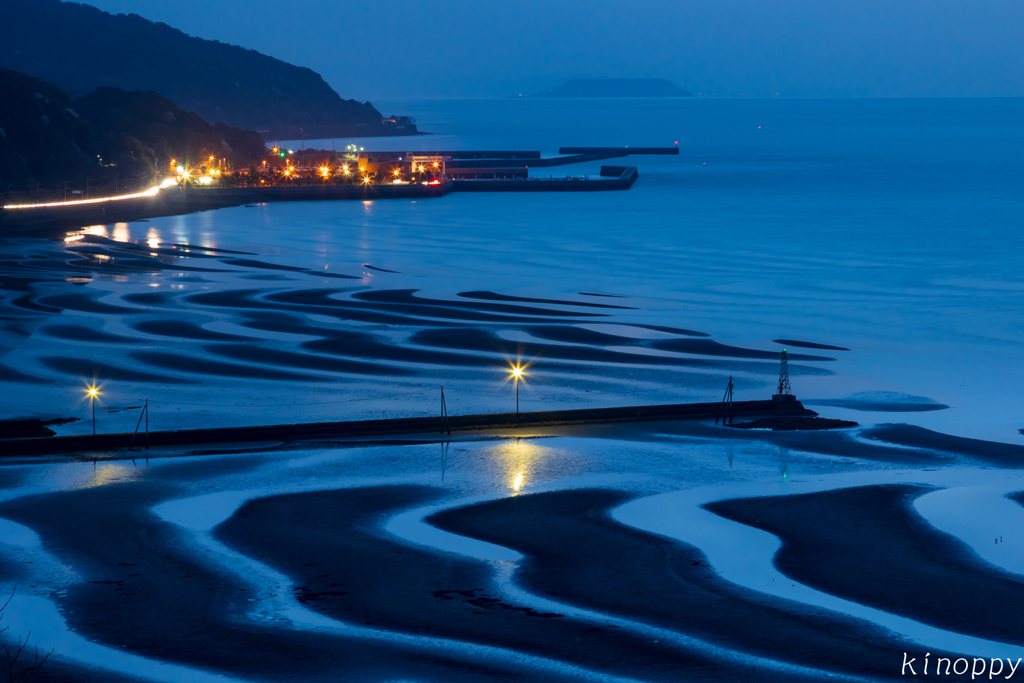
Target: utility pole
(725, 412)
(444, 415)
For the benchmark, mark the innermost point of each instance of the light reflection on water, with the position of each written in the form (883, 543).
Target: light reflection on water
(111, 473)
(122, 233)
(518, 459)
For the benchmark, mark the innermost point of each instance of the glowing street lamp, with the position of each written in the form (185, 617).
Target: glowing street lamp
(517, 374)
(92, 392)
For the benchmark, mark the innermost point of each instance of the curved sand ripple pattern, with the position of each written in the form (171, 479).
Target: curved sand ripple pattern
(574, 550)
(868, 545)
(745, 555)
(343, 568)
(201, 514)
(175, 617)
(276, 597)
(413, 526)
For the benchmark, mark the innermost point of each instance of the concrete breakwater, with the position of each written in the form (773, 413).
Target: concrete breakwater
(614, 152)
(87, 443)
(621, 181)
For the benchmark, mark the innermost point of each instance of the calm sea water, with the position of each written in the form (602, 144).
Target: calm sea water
(890, 227)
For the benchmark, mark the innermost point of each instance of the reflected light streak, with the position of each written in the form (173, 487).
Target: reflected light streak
(517, 460)
(111, 473)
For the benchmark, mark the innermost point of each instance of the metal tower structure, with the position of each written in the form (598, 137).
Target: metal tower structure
(784, 389)
(725, 412)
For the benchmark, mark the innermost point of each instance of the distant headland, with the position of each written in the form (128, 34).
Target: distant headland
(616, 87)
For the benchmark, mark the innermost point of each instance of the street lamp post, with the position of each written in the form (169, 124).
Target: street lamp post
(517, 372)
(93, 392)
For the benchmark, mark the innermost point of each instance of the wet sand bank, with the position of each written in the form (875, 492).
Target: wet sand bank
(145, 589)
(329, 544)
(576, 551)
(868, 545)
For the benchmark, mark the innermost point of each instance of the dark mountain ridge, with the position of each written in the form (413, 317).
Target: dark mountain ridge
(81, 48)
(45, 136)
(39, 131)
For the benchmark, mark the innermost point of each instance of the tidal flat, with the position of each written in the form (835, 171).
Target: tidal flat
(649, 551)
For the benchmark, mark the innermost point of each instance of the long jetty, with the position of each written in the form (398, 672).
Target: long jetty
(613, 178)
(92, 443)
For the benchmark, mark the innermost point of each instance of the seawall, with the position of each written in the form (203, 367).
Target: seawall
(411, 425)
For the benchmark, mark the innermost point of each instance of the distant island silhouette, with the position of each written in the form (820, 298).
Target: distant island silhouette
(617, 87)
